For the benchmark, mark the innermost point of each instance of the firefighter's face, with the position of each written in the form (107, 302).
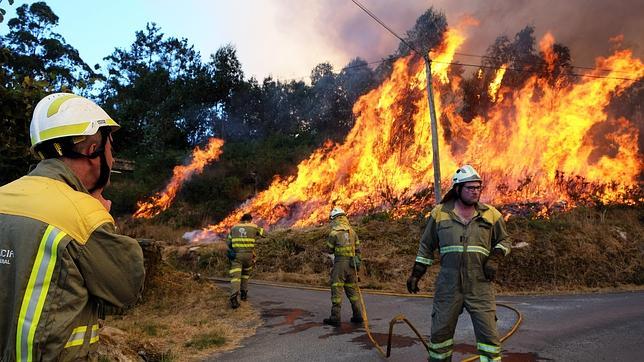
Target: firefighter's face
(470, 192)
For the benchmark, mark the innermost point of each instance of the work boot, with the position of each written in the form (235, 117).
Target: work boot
(244, 295)
(357, 314)
(234, 302)
(332, 321)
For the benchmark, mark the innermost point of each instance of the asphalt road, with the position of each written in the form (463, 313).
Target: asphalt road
(597, 327)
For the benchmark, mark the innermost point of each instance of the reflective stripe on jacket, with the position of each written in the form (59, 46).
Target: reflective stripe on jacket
(242, 236)
(61, 265)
(463, 245)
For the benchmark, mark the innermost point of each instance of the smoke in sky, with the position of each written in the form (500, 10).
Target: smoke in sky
(585, 26)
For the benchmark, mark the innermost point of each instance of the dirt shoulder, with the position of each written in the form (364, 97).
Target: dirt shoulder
(181, 318)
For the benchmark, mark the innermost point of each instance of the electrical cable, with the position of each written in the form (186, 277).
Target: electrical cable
(528, 63)
(374, 17)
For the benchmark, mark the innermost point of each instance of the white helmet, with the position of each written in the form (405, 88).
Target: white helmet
(335, 212)
(465, 173)
(61, 115)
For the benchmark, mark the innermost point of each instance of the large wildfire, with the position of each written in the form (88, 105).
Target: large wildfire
(180, 174)
(539, 143)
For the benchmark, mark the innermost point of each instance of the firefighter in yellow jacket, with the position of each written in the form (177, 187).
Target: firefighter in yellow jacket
(344, 244)
(472, 239)
(62, 263)
(241, 253)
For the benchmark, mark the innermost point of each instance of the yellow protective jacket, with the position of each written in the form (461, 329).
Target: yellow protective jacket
(342, 240)
(62, 265)
(242, 237)
(463, 247)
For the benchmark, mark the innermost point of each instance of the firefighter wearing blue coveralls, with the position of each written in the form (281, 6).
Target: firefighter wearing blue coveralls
(472, 238)
(344, 244)
(241, 253)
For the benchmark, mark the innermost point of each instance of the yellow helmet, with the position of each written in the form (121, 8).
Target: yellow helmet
(62, 115)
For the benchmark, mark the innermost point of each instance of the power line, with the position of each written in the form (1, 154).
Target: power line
(374, 17)
(533, 71)
(393, 58)
(572, 66)
(390, 59)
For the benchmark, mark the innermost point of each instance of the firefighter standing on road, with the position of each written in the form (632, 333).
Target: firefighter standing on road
(241, 253)
(63, 264)
(472, 238)
(344, 244)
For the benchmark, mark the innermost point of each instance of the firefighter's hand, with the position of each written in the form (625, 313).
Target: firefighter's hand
(492, 265)
(356, 262)
(412, 284)
(98, 195)
(417, 272)
(490, 269)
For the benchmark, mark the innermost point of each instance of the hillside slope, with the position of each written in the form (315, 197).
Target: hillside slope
(583, 249)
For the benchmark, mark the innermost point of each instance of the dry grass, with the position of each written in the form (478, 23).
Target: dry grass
(152, 229)
(181, 318)
(586, 249)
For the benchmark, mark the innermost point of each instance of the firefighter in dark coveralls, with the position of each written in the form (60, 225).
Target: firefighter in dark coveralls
(241, 253)
(472, 239)
(344, 244)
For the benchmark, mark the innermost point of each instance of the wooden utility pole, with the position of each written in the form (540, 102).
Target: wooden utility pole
(434, 127)
(430, 99)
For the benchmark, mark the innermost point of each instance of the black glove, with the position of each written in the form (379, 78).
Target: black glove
(416, 273)
(492, 264)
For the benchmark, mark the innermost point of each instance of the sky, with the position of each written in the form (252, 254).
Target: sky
(287, 38)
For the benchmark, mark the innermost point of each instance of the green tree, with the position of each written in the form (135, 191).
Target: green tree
(426, 34)
(34, 61)
(159, 91)
(41, 54)
(3, 12)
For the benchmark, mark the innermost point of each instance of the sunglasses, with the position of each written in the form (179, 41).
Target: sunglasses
(473, 188)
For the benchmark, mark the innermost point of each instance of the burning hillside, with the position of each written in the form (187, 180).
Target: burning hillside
(539, 142)
(180, 174)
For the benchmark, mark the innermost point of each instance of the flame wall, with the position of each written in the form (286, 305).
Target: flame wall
(530, 139)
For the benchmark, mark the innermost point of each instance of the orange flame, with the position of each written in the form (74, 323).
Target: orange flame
(493, 88)
(549, 55)
(180, 174)
(527, 147)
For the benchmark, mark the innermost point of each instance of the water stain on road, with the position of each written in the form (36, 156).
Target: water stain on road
(297, 328)
(269, 303)
(290, 315)
(344, 328)
(469, 350)
(523, 357)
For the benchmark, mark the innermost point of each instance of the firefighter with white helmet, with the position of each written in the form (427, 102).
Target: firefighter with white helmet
(68, 266)
(472, 238)
(344, 244)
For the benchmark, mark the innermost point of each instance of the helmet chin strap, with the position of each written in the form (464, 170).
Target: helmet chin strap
(104, 175)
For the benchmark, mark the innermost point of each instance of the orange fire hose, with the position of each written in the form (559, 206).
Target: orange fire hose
(403, 318)
(395, 320)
